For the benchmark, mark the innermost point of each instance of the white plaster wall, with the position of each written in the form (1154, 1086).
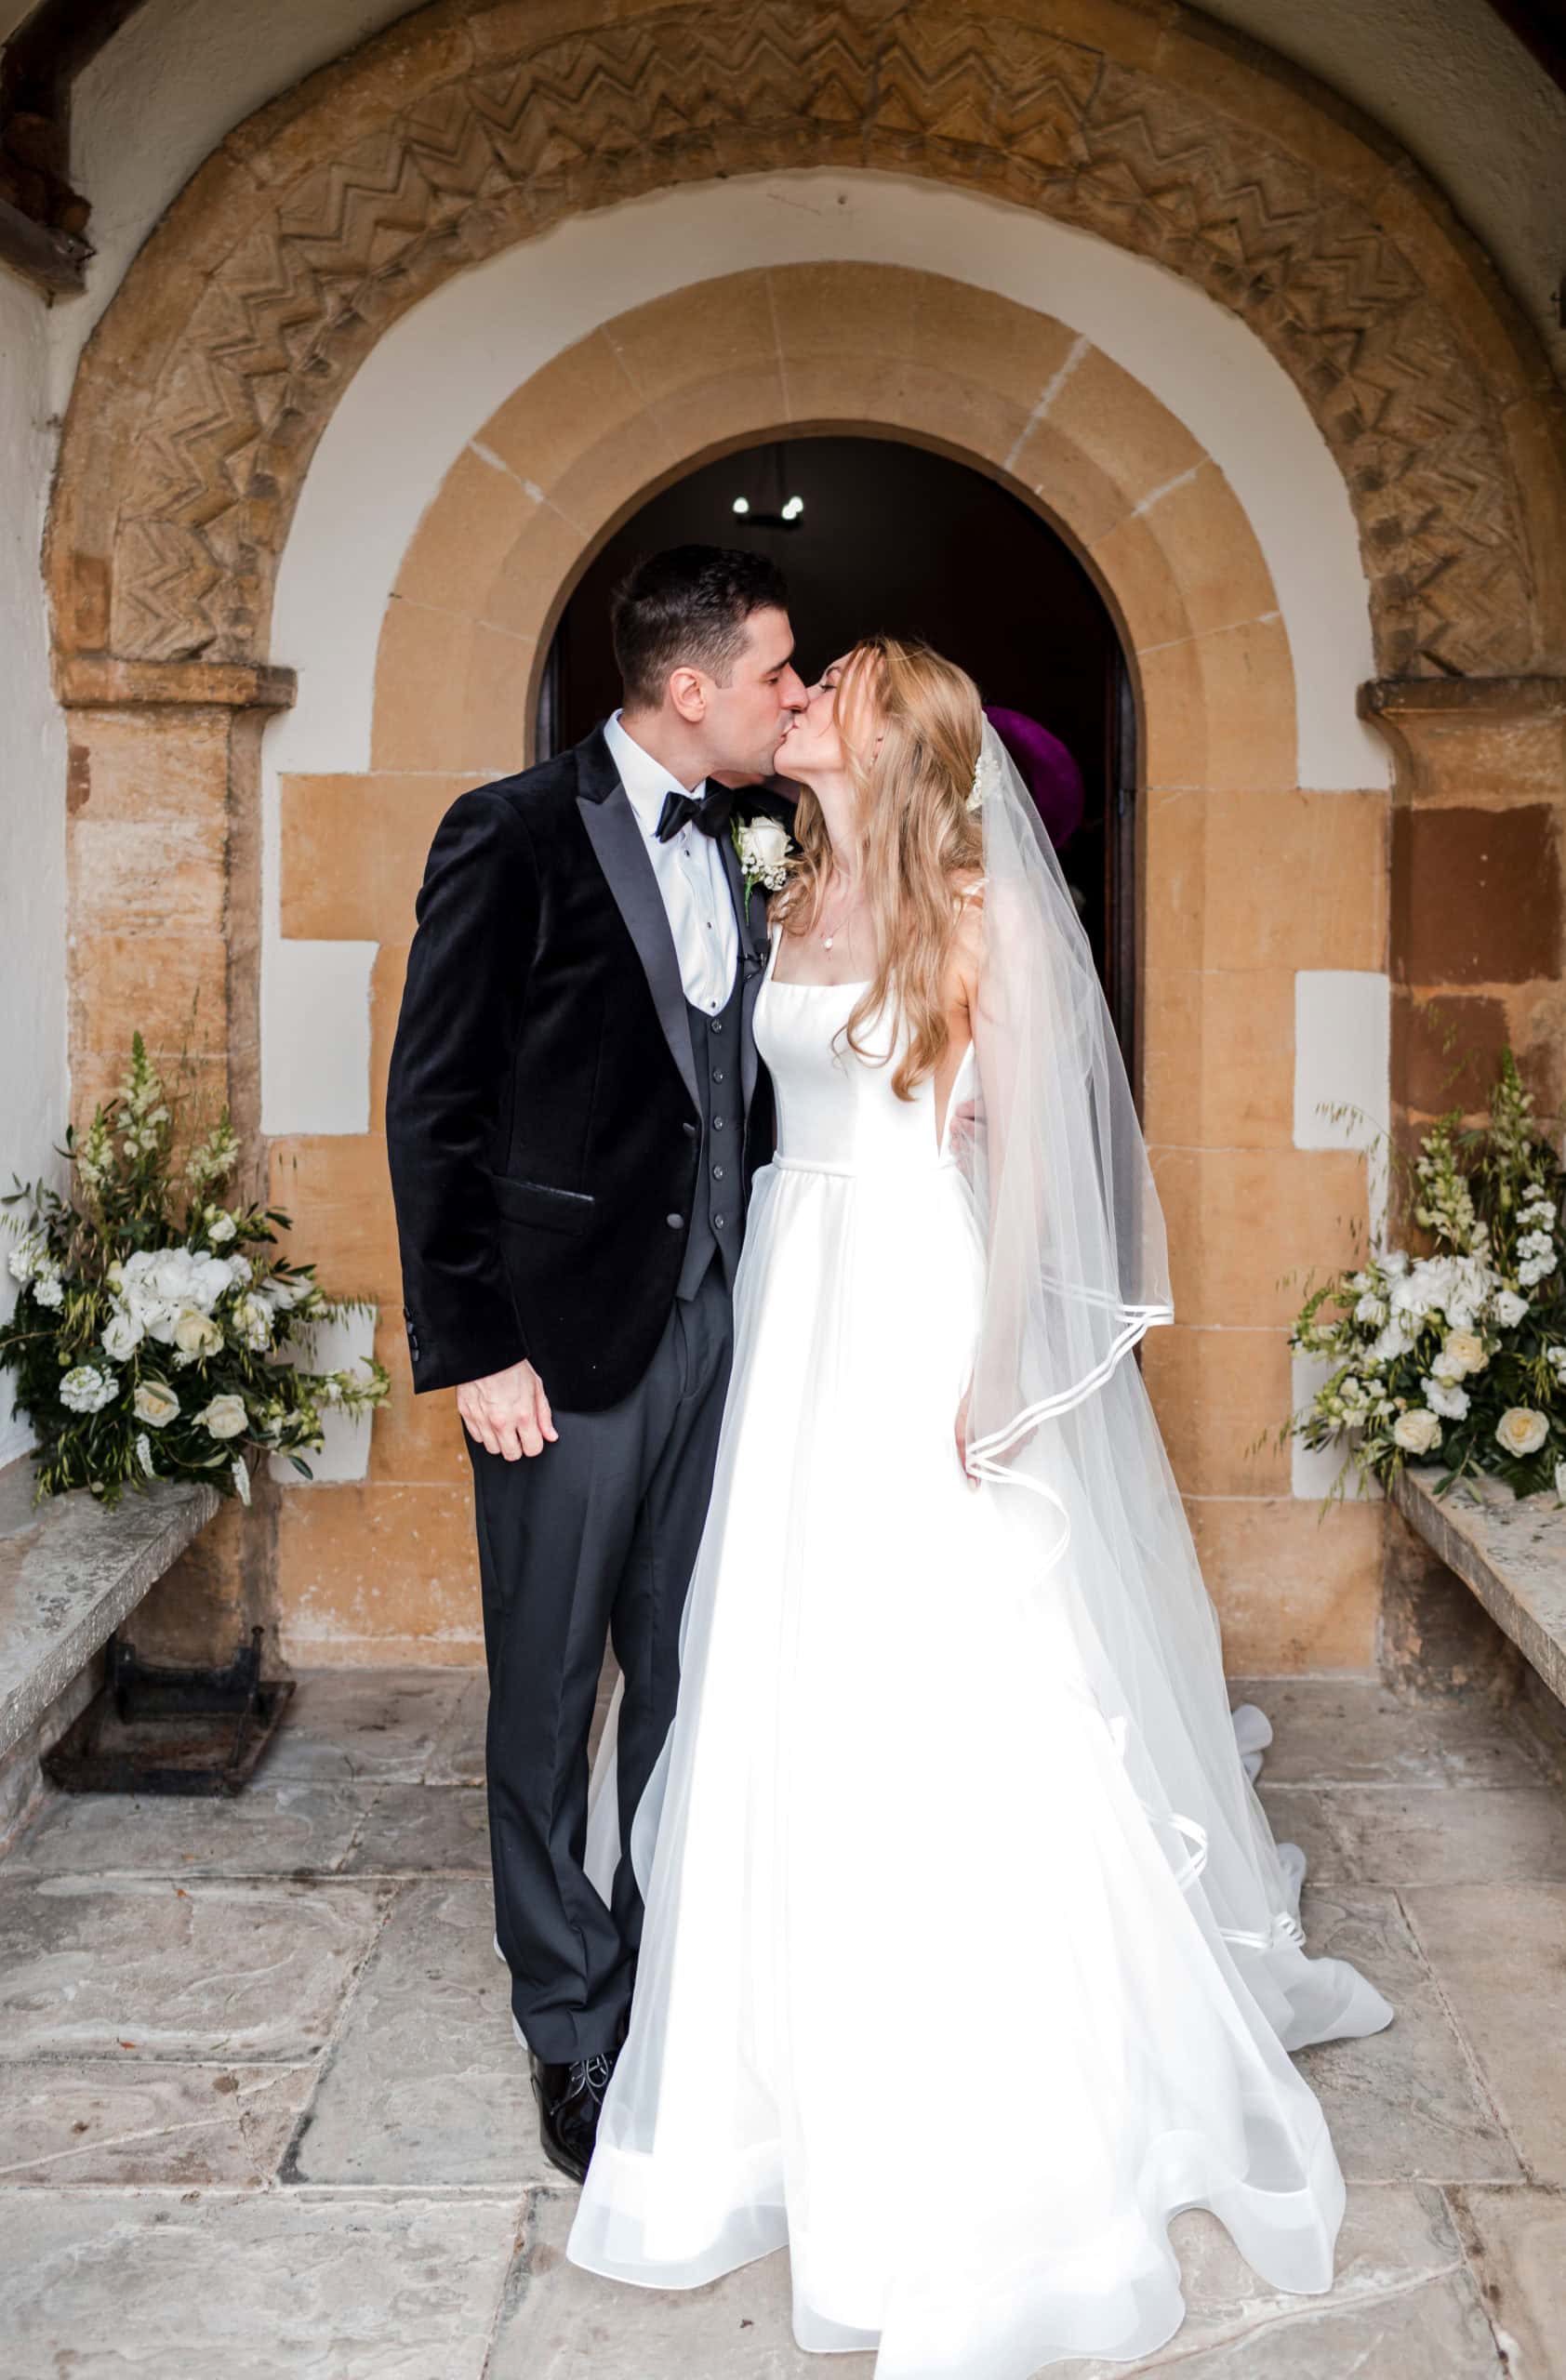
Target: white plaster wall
(32, 1047)
(432, 381)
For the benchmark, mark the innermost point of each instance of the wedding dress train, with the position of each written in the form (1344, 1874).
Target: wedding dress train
(945, 1981)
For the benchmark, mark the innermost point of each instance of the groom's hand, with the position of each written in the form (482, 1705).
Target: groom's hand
(508, 1411)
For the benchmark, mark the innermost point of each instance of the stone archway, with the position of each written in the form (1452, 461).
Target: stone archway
(462, 131)
(1228, 834)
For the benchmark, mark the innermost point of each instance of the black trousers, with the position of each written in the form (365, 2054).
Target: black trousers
(591, 1541)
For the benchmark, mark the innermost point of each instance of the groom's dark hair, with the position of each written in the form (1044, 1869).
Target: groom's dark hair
(688, 604)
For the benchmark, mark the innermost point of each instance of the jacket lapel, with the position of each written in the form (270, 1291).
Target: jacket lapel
(616, 840)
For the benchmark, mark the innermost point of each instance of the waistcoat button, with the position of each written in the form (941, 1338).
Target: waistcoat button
(674, 1222)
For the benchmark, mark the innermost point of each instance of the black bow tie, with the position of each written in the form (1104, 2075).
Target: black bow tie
(711, 813)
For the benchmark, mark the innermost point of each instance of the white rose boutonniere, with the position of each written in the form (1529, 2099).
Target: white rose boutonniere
(763, 845)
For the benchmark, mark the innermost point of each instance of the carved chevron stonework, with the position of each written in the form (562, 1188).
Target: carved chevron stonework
(623, 109)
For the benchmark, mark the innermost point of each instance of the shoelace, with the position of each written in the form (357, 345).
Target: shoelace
(590, 2077)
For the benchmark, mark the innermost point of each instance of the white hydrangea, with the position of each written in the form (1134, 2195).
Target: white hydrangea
(86, 1388)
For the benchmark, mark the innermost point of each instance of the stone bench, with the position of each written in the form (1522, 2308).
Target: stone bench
(1510, 1553)
(70, 1571)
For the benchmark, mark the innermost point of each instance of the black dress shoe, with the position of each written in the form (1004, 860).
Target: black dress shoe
(569, 2098)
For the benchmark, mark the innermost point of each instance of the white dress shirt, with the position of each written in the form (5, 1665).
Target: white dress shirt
(690, 872)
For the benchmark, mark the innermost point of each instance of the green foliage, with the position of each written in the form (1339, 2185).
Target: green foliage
(155, 1334)
(1458, 1353)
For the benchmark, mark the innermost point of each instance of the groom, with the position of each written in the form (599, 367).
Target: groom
(573, 1119)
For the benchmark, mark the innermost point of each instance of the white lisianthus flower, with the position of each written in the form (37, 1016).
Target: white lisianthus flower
(86, 1388)
(195, 1334)
(224, 1416)
(1370, 1309)
(1556, 1358)
(122, 1334)
(1391, 1343)
(1358, 1280)
(1417, 1432)
(1394, 1262)
(1448, 1370)
(1452, 1403)
(154, 1402)
(1520, 1430)
(1508, 1307)
(239, 1268)
(221, 1227)
(283, 1294)
(1465, 1348)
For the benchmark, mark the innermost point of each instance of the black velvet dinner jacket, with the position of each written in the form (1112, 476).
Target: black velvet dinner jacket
(542, 1110)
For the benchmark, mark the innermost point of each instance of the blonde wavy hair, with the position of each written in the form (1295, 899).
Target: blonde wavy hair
(919, 840)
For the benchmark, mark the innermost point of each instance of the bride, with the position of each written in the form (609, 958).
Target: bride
(968, 1958)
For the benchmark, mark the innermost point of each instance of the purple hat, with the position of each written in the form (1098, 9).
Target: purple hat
(1046, 768)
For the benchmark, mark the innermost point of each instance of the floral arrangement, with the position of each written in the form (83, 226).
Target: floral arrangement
(153, 1335)
(1458, 1354)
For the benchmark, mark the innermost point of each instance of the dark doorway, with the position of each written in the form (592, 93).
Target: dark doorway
(894, 537)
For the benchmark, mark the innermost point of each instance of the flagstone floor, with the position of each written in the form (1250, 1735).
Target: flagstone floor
(262, 2115)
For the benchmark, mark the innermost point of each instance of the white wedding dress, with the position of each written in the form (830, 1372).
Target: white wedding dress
(926, 1994)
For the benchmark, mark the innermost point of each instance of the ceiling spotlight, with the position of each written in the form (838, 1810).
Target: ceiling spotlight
(742, 504)
(794, 507)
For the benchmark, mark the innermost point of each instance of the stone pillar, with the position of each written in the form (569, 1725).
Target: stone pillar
(1476, 924)
(164, 891)
(1476, 950)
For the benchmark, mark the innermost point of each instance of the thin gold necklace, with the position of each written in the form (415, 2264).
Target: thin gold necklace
(827, 939)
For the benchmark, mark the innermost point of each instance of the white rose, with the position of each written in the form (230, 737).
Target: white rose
(195, 1334)
(225, 1417)
(1465, 1348)
(1520, 1430)
(1417, 1432)
(156, 1403)
(222, 1229)
(86, 1388)
(1509, 1307)
(122, 1335)
(1451, 1402)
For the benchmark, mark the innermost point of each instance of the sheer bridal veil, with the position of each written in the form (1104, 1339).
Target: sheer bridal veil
(1059, 1424)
